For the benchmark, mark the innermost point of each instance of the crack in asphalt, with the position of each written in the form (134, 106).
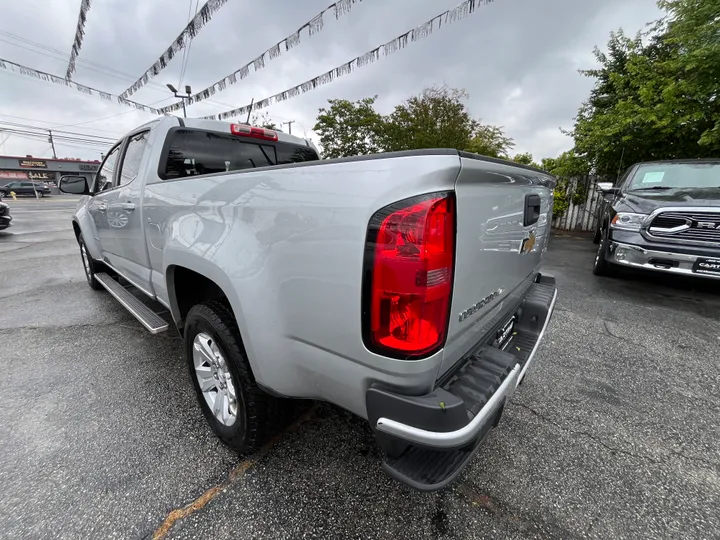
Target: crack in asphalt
(613, 448)
(586, 434)
(610, 333)
(511, 516)
(235, 474)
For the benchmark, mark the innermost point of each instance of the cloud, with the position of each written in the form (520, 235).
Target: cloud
(517, 59)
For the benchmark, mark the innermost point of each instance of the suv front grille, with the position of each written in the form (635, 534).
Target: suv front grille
(692, 226)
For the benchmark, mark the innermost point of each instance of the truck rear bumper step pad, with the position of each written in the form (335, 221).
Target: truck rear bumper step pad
(147, 317)
(433, 437)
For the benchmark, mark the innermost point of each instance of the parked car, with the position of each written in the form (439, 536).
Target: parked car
(370, 282)
(25, 188)
(662, 216)
(5, 217)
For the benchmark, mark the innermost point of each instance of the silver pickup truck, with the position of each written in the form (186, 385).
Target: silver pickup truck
(403, 287)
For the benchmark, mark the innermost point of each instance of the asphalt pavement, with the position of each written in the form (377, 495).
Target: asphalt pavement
(614, 433)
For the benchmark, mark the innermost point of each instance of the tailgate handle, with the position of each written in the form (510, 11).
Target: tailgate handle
(532, 210)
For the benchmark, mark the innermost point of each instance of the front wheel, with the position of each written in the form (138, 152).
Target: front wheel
(89, 265)
(241, 415)
(602, 267)
(40, 194)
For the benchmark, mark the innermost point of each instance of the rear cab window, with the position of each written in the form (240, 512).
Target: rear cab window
(196, 152)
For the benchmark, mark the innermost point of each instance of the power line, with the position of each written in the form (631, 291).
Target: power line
(111, 116)
(2, 115)
(66, 57)
(43, 76)
(44, 137)
(189, 32)
(186, 51)
(58, 56)
(18, 125)
(61, 143)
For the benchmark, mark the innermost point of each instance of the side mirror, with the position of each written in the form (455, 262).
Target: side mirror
(607, 188)
(75, 185)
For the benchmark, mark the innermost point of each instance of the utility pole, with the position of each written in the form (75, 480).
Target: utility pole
(289, 124)
(52, 143)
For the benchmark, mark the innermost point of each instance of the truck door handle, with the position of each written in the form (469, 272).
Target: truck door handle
(128, 206)
(532, 210)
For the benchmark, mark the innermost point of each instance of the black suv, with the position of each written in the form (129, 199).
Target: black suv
(662, 216)
(25, 188)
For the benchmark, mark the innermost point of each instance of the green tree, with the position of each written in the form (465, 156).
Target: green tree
(263, 120)
(566, 166)
(525, 159)
(437, 118)
(655, 96)
(490, 141)
(349, 128)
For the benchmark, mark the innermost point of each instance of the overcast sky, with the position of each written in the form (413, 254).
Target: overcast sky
(517, 59)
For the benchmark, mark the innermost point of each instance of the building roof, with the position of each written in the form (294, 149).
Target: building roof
(51, 159)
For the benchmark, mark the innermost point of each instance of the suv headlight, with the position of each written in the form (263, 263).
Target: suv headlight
(627, 221)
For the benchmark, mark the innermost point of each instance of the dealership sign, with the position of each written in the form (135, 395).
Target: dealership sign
(14, 175)
(33, 163)
(41, 175)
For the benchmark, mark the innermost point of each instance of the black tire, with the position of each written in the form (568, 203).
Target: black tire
(90, 266)
(258, 414)
(602, 267)
(41, 194)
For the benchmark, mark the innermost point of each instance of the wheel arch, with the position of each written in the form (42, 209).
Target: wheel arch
(193, 280)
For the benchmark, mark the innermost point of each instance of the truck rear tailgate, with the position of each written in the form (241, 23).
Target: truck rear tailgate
(503, 216)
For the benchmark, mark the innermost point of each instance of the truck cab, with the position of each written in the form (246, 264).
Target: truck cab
(662, 216)
(403, 287)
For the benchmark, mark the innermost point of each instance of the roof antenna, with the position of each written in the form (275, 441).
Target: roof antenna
(620, 166)
(247, 122)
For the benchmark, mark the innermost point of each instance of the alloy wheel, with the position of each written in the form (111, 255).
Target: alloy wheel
(214, 379)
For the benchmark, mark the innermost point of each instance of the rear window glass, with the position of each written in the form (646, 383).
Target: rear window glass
(195, 152)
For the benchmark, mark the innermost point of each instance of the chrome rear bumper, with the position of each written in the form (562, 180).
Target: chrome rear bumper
(649, 259)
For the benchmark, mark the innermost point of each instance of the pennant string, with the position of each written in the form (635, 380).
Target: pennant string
(419, 32)
(314, 25)
(190, 31)
(48, 77)
(79, 34)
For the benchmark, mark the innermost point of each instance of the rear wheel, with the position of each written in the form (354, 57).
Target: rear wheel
(601, 266)
(241, 415)
(89, 265)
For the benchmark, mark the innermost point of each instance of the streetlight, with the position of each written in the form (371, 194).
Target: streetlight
(183, 98)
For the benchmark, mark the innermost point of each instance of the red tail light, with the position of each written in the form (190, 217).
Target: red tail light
(252, 131)
(409, 262)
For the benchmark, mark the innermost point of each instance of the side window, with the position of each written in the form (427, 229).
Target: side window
(133, 156)
(194, 152)
(104, 178)
(294, 153)
(625, 177)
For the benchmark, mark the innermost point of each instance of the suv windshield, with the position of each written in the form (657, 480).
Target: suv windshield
(676, 175)
(194, 152)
